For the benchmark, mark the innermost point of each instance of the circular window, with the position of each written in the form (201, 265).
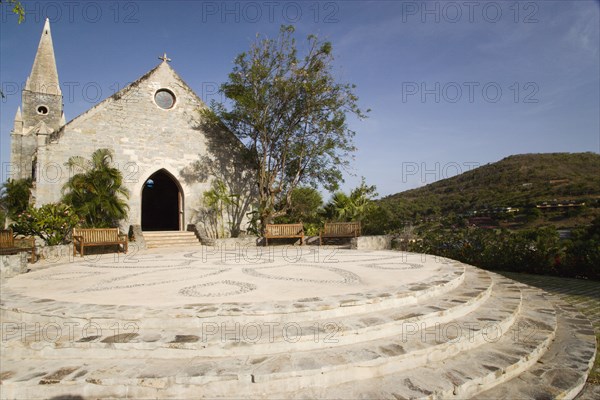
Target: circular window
(164, 99)
(42, 110)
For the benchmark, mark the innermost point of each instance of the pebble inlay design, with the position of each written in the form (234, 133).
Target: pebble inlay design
(196, 290)
(275, 277)
(348, 278)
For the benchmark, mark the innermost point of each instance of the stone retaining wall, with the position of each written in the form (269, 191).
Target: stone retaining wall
(382, 242)
(231, 243)
(13, 265)
(60, 253)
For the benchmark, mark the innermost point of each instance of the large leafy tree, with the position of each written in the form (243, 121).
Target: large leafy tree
(292, 114)
(306, 204)
(96, 191)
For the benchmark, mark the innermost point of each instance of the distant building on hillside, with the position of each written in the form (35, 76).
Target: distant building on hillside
(560, 204)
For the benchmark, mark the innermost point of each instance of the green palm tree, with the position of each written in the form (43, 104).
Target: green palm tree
(354, 207)
(339, 207)
(96, 193)
(14, 196)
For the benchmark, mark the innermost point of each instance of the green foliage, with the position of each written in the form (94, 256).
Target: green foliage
(253, 226)
(583, 252)
(14, 197)
(291, 113)
(96, 192)
(532, 213)
(51, 222)
(312, 228)
(354, 207)
(216, 200)
(376, 221)
(17, 9)
(305, 207)
(537, 251)
(306, 204)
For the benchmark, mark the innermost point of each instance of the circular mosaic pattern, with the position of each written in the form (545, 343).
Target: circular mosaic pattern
(234, 257)
(276, 276)
(197, 290)
(63, 276)
(396, 266)
(348, 278)
(141, 263)
(107, 284)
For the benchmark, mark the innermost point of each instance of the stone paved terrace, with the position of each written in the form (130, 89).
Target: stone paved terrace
(585, 296)
(292, 322)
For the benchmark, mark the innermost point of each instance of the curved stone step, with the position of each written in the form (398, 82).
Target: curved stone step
(468, 373)
(254, 375)
(562, 371)
(430, 339)
(266, 337)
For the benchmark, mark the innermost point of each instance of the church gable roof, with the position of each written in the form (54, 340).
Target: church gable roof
(140, 94)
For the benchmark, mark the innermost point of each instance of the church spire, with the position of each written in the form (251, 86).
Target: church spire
(18, 126)
(44, 76)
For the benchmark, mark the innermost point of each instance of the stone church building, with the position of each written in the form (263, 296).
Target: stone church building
(166, 151)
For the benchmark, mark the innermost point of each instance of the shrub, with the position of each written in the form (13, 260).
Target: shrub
(15, 196)
(582, 258)
(537, 251)
(51, 222)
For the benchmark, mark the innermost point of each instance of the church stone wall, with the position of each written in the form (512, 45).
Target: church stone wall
(144, 139)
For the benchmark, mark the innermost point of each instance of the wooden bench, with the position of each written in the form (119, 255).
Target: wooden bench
(339, 230)
(284, 231)
(83, 238)
(10, 245)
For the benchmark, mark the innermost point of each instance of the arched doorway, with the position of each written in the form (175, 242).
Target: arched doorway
(162, 203)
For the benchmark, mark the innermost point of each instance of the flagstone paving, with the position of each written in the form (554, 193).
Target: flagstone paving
(585, 296)
(285, 322)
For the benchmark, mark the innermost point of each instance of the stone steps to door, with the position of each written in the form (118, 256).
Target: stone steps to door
(157, 239)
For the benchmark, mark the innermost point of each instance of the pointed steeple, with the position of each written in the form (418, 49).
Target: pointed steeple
(44, 76)
(18, 126)
(18, 116)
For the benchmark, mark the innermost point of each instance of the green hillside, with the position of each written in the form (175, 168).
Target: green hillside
(519, 181)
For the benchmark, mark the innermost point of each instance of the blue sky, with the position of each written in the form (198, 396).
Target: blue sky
(451, 85)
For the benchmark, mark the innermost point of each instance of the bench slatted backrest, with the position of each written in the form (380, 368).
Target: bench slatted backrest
(6, 238)
(98, 235)
(342, 228)
(284, 229)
